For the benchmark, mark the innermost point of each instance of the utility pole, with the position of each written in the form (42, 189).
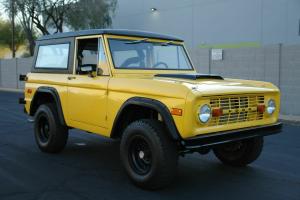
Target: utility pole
(13, 28)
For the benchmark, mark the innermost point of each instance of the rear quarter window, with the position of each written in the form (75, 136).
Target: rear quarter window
(53, 56)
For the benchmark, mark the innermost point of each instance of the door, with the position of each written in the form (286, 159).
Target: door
(87, 94)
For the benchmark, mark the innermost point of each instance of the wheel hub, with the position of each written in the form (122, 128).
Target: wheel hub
(141, 154)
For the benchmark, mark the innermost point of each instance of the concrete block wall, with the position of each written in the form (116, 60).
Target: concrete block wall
(278, 64)
(10, 69)
(200, 58)
(290, 80)
(9, 73)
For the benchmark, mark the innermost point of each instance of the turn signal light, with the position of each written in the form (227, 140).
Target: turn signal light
(176, 111)
(217, 112)
(261, 108)
(29, 91)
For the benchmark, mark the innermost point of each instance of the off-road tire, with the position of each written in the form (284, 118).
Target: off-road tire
(163, 154)
(50, 135)
(248, 152)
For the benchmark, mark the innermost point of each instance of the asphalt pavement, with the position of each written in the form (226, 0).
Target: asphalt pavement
(89, 168)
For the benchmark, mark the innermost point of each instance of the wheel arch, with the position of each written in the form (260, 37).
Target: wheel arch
(46, 95)
(146, 103)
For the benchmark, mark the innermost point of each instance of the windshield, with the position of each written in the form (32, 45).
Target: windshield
(141, 54)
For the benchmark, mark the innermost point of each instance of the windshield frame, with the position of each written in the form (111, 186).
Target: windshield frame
(149, 40)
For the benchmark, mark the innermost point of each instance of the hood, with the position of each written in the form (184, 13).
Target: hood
(205, 84)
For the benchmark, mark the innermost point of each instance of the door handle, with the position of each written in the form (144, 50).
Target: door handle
(71, 77)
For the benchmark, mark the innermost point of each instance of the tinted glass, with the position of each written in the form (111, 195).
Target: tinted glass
(53, 56)
(128, 54)
(102, 57)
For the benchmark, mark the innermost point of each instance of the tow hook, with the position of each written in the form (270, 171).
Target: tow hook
(30, 119)
(22, 101)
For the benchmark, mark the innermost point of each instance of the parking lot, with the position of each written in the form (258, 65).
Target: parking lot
(89, 168)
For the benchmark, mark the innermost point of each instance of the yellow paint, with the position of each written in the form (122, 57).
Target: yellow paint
(92, 103)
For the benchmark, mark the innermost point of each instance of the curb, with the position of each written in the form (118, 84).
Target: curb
(11, 90)
(290, 119)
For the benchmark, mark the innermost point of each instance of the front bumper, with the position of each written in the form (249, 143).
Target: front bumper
(209, 140)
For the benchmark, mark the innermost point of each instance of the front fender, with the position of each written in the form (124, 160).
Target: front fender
(155, 105)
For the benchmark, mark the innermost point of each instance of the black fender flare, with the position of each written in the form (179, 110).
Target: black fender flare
(53, 92)
(155, 105)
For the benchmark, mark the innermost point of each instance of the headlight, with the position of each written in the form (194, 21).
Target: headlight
(271, 106)
(205, 113)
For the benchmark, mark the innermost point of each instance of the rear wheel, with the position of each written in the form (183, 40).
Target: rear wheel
(148, 154)
(240, 153)
(50, 135)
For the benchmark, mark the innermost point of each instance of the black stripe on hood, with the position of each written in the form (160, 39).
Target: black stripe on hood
(190, 76)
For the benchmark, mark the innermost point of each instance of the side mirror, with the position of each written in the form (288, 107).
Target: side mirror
(99, 72)
(87, 69)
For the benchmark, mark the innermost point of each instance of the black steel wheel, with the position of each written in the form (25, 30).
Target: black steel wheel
(140, 155)
(50, 135)
(148, 154)
(240, 153)
(44, 129)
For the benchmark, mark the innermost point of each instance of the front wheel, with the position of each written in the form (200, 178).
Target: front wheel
(148, 154)
(50, 135)
(240, 153)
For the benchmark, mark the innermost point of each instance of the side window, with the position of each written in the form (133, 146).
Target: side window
(87, 53)
(102, 58)
(53, 56)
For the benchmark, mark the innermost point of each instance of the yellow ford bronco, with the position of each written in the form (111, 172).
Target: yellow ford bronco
(141, 88)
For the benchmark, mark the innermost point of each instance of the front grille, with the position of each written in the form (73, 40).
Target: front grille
(236, 109)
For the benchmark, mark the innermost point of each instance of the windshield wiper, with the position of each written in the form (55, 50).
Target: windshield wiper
(137, 41)
(145, 39)
(167, 43)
